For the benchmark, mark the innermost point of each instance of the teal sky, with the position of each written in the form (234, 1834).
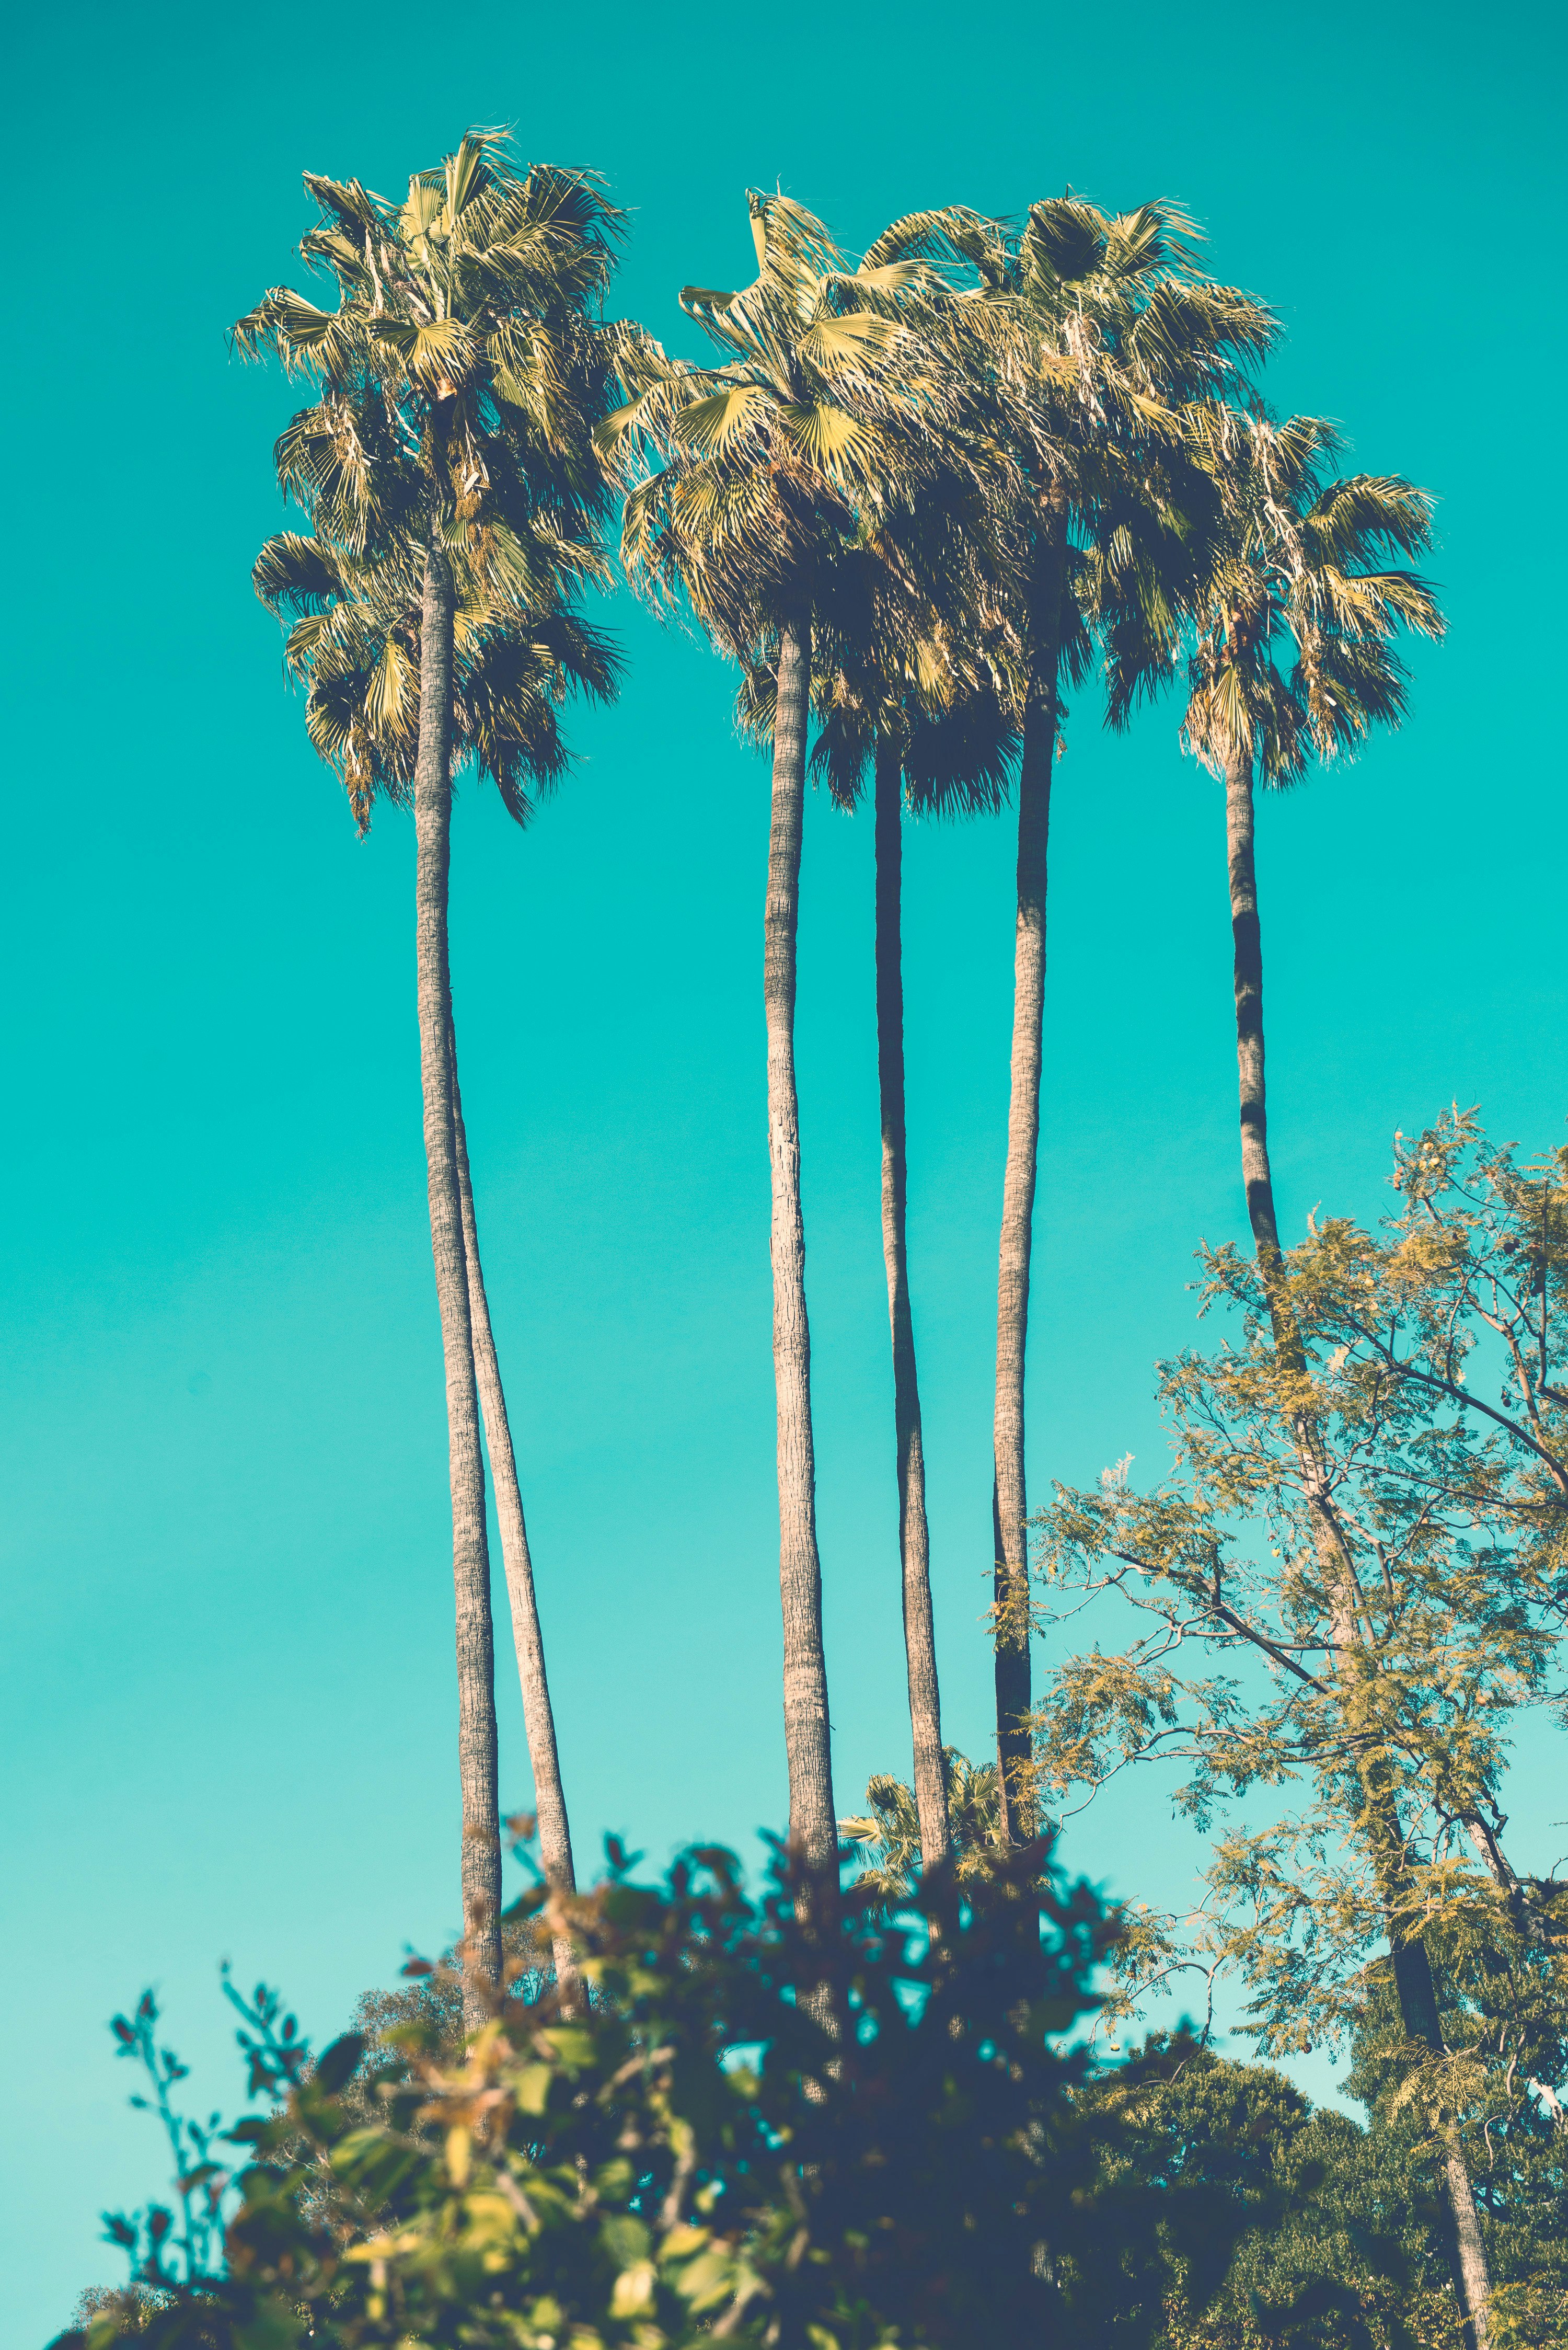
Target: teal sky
(230, 1704)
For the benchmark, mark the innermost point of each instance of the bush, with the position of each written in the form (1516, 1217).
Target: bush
(734, 2126)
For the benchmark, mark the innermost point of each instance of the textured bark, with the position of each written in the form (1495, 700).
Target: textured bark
(914, 1543)
(528, 1639)
(1248, 961)
(812, 1820)
(1423, 2025)
(1474, 2277)
(1489, 1852)
(1380, 1821)
(1418, 2014)
(1010, 1501)
(470, 1545)
(1522, 1900)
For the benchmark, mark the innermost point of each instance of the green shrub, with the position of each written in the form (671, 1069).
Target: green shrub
(734, 2128)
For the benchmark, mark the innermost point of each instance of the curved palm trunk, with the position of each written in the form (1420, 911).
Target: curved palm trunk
(814, 1828)
(470, 1545)
(549, 1796)
(1010, 1501)
(1380, 1818)
(914, 1548)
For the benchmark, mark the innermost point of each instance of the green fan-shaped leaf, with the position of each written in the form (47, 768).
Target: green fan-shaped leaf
(829, 343)
(829, 436)
(709, 425)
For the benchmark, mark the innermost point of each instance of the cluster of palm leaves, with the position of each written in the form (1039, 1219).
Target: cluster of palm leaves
(457, 378)
(916, 498)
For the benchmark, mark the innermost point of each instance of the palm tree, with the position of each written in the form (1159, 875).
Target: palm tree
(1299, 567)
(892, 1838)
(353, 640)
(1297, 611)
(1299, 572)
(746, 481)
(1100, 327)
(445, 466)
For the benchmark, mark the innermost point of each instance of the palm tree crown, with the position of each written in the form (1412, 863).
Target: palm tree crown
(746, 480)
(890, 1832)
(1299, 572)
(456, 380)
(519, 649)
(461, 343)
(1098, 329)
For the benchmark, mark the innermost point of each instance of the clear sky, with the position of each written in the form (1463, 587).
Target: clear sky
(228, 1718)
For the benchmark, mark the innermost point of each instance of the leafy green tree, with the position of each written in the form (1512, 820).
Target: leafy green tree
(1372, 1683)
(1099, 327)
(446, 468)
(746, 484)
(1336, 2252)
(1463, 1302)
(1231, 2216)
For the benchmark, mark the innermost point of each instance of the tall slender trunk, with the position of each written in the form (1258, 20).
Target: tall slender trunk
(1247, 948)
(470, 1545)
(914, 1545)
(1010, 1499)
(528, 1639)
(1380, 1822)
(812, 1820)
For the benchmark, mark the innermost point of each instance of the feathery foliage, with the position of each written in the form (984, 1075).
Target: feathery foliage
(1430, 1370)
(1100, 331)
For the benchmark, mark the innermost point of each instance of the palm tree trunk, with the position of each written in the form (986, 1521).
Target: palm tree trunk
(539, 1720)
(470, 1545)
(813, 1823)
(1411, 1965)
(1248, 961)
(914, 1547)
(1010, 1501)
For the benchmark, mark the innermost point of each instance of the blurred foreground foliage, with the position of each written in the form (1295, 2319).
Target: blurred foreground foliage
(682, 2152)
